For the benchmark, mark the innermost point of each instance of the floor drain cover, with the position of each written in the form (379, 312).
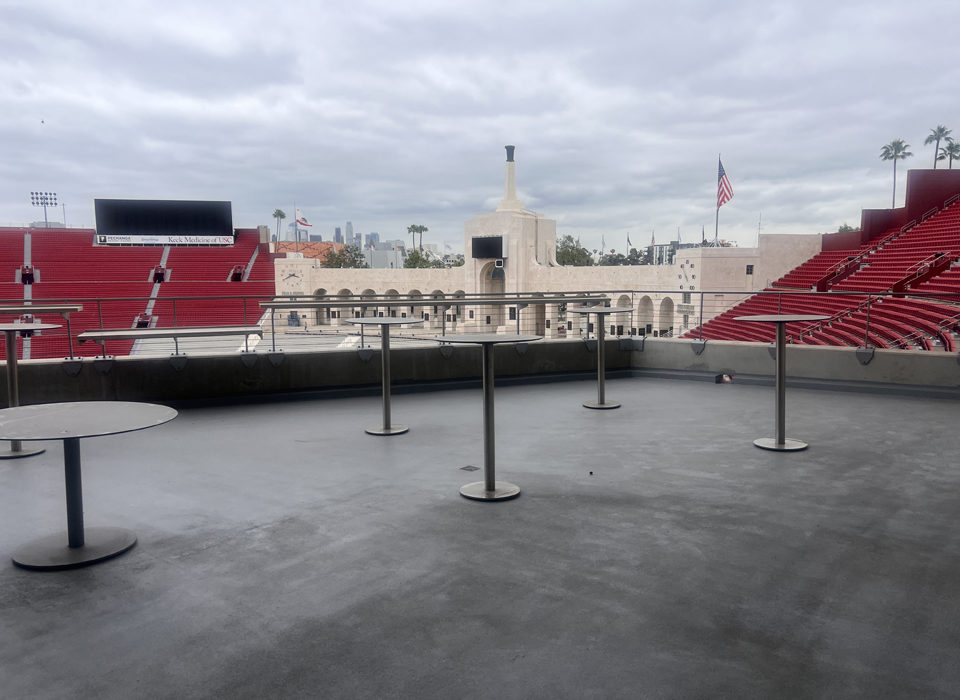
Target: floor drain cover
(470, 468)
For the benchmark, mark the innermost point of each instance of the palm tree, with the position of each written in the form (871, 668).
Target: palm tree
(940, 132)
(413, 230)
(895, 150)
(950, 151)
(279, 214)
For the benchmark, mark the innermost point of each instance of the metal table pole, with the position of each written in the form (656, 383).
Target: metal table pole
(387, 428)
(13, 386)
(13, 396)
(489, 438)
(781, 443)
(71, 468)
(489, 489)
(601, 402)
(781, 383)
(601, 358)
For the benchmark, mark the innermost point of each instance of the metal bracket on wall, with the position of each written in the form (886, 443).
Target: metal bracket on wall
(178, 361)
(446, 351)
(103, 364)
(591, 344)
(249, 359)
(365, 354)
(698, 345)
(865, 354)
(276, 358)
(772, 349)
(72, 366)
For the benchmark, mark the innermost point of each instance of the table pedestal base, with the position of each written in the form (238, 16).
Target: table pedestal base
(15, 454)
(600, 406)
(392, 430)
(477, 491)
(52, 553)
(788, 445)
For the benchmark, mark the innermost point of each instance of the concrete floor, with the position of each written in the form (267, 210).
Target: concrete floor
(285, 553)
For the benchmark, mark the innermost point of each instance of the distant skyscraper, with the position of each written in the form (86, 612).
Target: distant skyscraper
(371, 240)
(348, 233)
(337, 235)
(357, 239)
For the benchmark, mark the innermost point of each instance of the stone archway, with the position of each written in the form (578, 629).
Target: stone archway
(321, 316)
(492, 283)
(415, 310)
(342, 312)
(665, 317)
(620, 323)
(436, 309)
(644, 317)
(368, 309)
(391, 295)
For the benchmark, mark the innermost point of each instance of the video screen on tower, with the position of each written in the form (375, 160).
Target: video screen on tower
(487, 247)
(163, 221)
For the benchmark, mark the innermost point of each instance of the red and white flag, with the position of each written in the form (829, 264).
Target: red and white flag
(301, 219)
(724, 188)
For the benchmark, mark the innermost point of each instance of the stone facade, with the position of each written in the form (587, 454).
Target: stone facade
(666, 299)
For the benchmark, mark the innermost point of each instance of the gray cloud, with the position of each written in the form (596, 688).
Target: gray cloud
(388, 114)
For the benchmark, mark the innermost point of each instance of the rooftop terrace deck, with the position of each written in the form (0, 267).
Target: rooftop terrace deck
(284, 553)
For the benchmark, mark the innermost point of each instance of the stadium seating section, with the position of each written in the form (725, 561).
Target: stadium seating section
(920, 263)
(116, 285)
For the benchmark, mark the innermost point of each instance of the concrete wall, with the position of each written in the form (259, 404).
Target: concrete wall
(223, 377)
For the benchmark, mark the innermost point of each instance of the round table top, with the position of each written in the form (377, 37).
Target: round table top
(80, 419)
(782, 318)
(385, 321)
(600, 309)
(486, 338)
(28, 326)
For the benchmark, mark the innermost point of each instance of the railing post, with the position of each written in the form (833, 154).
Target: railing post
(700, 325)
(273, 329)
(866, 326)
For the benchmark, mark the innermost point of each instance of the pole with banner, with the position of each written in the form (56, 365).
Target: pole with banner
(724, 195)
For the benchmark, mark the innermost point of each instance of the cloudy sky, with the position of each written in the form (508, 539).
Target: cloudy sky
(392, 113)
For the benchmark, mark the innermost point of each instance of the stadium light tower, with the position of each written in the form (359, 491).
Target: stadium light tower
(44, 199)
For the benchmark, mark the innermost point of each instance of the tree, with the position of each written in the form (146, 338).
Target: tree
(570, 252)
(418, 259)
(845, 227)
(612, 258)
(347, 256)
(936, 135)
(950, 151)
(634, 257)
(895, 150)
(279, 214)
(413, 230)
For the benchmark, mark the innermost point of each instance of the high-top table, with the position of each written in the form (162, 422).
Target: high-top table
(489, 489)
(10, 331)
(601, 312)
(780, 443)
(388, 428)
(69, 422)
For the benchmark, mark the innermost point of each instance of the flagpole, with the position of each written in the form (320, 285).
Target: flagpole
(296, 229)
(716, 224)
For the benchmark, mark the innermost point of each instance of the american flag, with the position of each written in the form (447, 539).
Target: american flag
(724, 189)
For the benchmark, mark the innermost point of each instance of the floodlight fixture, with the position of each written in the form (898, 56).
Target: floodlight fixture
(44, 199)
